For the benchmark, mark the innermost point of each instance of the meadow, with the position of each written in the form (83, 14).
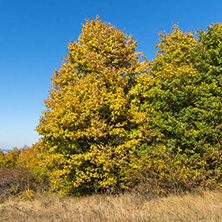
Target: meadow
(130, 207)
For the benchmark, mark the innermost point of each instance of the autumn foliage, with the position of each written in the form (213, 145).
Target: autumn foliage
(19, 173)
(116, 121)
(88, 124)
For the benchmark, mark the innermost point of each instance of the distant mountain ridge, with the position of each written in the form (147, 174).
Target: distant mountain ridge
(5, 150)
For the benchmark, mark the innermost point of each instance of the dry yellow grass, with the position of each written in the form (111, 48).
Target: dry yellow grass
(127, 207)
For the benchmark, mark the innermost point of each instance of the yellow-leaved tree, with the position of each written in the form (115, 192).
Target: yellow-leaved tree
(88, 130)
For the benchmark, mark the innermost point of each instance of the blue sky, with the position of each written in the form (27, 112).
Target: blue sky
(34, 37)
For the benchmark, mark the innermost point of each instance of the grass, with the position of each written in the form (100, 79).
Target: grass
(130, 207)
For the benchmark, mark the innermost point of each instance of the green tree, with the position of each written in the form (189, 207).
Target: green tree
(181, 98)
(163, 95)
(207, 57)
(86, 130)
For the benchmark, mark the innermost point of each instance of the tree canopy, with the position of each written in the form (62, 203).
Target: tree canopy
(88, 121)
(113, 117)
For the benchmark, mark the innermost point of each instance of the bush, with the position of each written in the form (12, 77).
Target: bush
(16, 181)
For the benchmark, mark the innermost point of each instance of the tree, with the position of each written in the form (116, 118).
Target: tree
(181, 98)
(164, 96)
(86, 143)
(207, 57)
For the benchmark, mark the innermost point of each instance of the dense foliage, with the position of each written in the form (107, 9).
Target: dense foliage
(86, 129)
(181, 97)
(115, 120)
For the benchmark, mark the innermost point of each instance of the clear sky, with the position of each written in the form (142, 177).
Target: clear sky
(34, 36)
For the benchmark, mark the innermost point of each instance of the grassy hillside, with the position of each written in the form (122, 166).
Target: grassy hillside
(127, 207)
